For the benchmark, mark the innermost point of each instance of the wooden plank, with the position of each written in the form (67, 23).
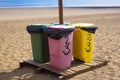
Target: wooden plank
(77, 67)
(31, 63)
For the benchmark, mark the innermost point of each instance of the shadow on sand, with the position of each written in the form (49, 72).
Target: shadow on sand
(26, 73)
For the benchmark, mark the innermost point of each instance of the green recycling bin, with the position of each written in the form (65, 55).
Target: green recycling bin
(39, 41)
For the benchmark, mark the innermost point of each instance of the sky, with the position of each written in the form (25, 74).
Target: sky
(92, 2)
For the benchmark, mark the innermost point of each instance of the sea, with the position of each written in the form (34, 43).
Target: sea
(28, 3)
(54, 3)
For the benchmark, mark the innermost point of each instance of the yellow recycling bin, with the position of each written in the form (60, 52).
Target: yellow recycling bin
(83, 41)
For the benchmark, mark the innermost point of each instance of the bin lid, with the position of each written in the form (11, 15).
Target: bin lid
(80, 25)
(59, 27)
(58, 31)
(39, 25)
(36, 28)
(89, 27)
(65, 23)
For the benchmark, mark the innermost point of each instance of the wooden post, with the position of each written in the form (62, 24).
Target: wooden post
(60, 12)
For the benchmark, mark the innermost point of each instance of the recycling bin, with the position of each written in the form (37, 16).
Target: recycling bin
(83, 41)
(60, 45)
(65, 23)
(39, 41)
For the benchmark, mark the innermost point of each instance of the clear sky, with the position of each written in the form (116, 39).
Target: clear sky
(91, 2)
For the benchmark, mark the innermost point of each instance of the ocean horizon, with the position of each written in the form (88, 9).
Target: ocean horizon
(27, 3)
(46, 3)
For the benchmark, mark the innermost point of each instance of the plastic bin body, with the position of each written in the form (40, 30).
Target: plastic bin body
(40, 48)
(83, 42)
(58, 58)
(61, 52)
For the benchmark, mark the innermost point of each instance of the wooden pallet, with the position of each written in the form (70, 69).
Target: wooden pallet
(30, 63)
(77, 67)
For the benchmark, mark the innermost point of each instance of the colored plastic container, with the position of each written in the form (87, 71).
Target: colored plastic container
(39, 42)
(60, 46)
(65, 23)
(83, 41)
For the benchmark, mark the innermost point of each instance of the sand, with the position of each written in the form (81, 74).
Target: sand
(29, 13)
(15, 44)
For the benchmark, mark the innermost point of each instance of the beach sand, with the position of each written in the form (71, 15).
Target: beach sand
(15, 44)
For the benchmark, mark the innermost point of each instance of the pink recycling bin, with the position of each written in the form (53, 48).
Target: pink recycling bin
(60, 46)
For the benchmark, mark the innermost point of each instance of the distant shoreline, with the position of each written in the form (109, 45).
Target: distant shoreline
(96, 7)
(84, 7)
